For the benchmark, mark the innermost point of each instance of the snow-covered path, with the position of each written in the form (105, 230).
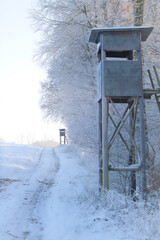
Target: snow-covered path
(42, 195)
(52, 194)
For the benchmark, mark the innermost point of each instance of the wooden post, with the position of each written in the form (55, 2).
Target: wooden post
(105, 118)
(132, 151)
(105, 149)
(100, 144)
(142, 138)
(143, 155)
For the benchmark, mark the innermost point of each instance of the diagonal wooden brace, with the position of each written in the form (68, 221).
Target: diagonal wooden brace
(123, 140)
(120, 124)
(133, 141)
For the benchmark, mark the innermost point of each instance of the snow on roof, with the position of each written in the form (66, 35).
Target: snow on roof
(144, 30)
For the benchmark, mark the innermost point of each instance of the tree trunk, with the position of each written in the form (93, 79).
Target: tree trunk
(138, 12)
(138, 6)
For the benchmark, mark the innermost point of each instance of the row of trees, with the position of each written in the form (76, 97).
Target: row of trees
(69, 92)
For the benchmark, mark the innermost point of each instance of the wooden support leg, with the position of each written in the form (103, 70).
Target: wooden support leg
(132, 152)
(143, 155)
(100, 144)
(105, 117)
(105, 149)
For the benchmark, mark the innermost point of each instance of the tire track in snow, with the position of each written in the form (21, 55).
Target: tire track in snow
(44, 183)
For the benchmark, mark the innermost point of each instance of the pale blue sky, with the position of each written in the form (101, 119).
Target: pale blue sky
(20, 115)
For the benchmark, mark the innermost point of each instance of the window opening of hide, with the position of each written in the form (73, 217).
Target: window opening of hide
(121, 55)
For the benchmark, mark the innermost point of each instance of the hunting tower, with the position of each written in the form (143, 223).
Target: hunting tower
(119, 81)
(63, 138)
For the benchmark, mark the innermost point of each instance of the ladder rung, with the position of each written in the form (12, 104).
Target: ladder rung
(134, 167)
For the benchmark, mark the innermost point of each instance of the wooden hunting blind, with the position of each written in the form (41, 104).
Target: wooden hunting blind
(62, 132)
(119, 81)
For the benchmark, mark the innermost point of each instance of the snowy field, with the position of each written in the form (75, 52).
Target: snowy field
(51, 194)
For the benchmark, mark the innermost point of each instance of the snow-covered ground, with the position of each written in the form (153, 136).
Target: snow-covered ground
(52, 194)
